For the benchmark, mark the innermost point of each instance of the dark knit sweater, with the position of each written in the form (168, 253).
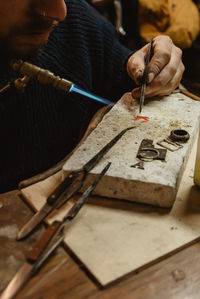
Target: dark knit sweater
(39, 127)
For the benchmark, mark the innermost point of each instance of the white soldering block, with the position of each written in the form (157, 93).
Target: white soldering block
(158, 182)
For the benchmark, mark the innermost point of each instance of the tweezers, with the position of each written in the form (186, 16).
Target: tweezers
(143, 89)
(48, 242)
(67, 188)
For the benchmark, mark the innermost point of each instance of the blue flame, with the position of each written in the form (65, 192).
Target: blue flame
(79, 90)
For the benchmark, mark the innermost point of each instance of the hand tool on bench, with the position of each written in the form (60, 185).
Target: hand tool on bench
(67, 188)
(49, 241)
(46, 77)
(143, 89)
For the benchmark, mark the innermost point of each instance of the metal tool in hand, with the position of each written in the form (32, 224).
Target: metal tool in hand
(48, 242)
(143, 89)
(67, 188)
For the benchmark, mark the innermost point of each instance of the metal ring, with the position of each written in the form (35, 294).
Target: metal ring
(179, 135)
(144, 155)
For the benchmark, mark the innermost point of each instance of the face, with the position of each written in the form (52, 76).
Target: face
(25, 26)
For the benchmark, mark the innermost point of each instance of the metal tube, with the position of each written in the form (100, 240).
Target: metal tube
(42, 75)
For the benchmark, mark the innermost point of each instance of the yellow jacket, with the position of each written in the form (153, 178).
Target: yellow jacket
(177, 18)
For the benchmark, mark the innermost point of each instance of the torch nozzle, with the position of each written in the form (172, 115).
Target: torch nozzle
(42, 75)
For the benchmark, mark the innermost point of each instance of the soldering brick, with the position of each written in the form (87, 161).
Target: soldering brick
(158, 182)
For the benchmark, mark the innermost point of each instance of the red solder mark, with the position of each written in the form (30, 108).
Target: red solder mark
(145, 118)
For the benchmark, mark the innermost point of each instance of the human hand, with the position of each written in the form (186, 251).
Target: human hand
(164, 71)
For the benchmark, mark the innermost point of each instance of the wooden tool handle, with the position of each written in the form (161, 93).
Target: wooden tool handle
(190, 94)
(43, 242)
(52, 198)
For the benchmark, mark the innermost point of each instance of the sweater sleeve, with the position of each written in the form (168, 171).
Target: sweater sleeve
(108, 58)
(91, 44)
(114, 80)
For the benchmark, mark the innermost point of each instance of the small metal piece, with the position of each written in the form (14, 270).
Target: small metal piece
(167, 142)
(179, 135)
(171, 143)
(139, 165)
(143, 90)
(147, 152)
(21, 83)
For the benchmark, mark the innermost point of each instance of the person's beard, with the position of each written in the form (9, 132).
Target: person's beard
(10, 46)
(8, 52)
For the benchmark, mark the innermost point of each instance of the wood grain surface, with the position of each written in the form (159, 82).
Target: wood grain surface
(63, 277)
(113, 238)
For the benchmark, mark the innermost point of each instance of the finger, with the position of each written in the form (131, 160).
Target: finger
(136, 64)
(162, 48)
(155, 88)
(136, 92)
(172, 84)
(161, 88)
(175, 66)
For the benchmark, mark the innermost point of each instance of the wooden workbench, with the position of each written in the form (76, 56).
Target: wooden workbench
(62, 276)
(178, 276)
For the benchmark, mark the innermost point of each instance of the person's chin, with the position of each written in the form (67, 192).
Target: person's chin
(26, 51)
(29, 45)
(34, 38)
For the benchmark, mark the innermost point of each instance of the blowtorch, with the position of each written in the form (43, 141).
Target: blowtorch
(46, 77)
